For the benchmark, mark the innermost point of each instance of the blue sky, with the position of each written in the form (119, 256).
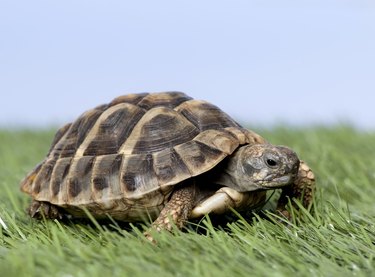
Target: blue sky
(263, 62)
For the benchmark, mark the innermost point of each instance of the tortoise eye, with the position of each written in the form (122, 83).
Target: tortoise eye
(271, 162)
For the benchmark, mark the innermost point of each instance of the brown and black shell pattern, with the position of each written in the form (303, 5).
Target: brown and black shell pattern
(124, 158)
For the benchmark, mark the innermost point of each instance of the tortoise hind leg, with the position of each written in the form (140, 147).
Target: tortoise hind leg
(40, 209)
(302, 189)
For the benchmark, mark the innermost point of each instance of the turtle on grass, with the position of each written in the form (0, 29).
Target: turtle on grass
(163, 156)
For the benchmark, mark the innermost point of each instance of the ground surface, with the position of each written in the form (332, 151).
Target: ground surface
(337, 240)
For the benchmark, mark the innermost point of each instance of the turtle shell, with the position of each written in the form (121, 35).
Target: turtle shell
(124, 157)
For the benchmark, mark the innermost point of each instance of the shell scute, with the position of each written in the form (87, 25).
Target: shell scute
(59, 135)
(137, 175)
(41, 182)
(166, 99)
(105, 178)
(67, 146)
(79, 178)
(59, 175)
(199, 157)
(158, 129)
(110, 131)
(169, 167)
(132, 98)
(75, 187)
(205, 116)
(218, 139)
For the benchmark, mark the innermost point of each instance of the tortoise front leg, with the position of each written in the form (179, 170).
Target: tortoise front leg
(302, 188)
(177, 210)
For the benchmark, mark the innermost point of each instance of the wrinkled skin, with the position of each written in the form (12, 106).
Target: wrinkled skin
(244, 176)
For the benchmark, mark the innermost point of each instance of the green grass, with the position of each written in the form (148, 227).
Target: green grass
(337, 239)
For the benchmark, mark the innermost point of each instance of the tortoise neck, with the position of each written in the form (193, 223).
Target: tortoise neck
(226, 172)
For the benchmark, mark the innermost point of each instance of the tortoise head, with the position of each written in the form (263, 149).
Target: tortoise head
(262, 166)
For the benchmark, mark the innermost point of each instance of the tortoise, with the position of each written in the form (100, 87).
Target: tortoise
(165, 157)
